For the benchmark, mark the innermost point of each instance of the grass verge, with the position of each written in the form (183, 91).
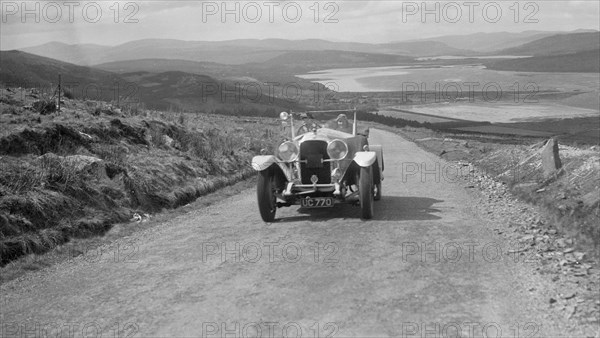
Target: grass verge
(77, 172)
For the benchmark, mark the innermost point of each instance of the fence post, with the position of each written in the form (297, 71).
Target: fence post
(59, 90)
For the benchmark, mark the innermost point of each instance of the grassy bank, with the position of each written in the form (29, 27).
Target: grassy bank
(77, 172)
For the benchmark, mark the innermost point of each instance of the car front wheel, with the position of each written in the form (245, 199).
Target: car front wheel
(266, 196)
(365, 190)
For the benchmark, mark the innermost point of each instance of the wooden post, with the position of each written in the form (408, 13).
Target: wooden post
(59, 90)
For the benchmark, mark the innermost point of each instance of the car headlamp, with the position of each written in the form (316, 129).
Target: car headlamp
(337, 150)
(288, 151)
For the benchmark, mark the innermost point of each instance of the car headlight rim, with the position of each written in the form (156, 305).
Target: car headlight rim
(288, 151)
(337, 150)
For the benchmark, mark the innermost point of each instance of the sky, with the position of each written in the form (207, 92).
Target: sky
(31, 23)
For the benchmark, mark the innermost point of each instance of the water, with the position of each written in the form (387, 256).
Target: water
(439, 77)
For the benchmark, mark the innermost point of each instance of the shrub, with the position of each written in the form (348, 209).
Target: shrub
(68, 94)
(12, 110)
(111, 153)
(44, 106)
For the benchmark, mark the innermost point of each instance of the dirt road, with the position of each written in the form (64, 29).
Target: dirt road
(426, 266)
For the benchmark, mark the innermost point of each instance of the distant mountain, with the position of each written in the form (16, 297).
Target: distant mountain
(558, 44)
(588, 62)
(245, 51)
(420, 48)
(290, 62)
(28, 70)
(494, 42)
(79, 54)
(406, 48)
(155, 49)
(301, 61)
(159, 90)
(233, 52)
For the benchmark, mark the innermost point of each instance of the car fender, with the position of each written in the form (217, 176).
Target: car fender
(379, 150)
(365, 158)
(264, 162)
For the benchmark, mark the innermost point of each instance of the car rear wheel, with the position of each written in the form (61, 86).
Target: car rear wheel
(266, 196)
(365, 190)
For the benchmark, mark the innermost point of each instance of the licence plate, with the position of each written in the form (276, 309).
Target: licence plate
(317, 202)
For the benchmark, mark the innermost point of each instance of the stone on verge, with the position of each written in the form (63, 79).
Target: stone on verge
(550, 158)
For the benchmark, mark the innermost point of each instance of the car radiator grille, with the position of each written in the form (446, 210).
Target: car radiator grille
(313, 152)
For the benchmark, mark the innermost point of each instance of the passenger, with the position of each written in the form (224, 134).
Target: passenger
(342, 123)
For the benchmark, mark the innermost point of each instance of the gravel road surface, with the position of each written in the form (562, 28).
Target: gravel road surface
(425, 266)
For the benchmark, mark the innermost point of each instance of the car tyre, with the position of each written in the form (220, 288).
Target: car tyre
(365, 190)
(266, 196)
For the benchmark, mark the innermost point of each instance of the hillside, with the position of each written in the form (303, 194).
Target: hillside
(202, 93)
(166, 65)
(76, 173)
(159, 90)
(586, 62)
(28, 70)
(557, 44)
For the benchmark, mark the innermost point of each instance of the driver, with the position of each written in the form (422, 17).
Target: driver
(307, 123)
(342, 123)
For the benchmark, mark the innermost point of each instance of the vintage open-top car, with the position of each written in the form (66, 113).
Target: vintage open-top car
(320, 166)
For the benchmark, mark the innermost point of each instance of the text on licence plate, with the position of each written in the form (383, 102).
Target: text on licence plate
(317, 202)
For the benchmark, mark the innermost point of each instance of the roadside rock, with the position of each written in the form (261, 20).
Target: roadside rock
(81, 162)
(591, 199)
(550, 158)
(168, 141)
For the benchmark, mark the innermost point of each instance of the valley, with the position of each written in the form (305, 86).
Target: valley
(394, 84)
(128, 158)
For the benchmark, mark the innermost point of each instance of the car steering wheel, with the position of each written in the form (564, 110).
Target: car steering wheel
(303, 129)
